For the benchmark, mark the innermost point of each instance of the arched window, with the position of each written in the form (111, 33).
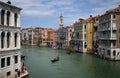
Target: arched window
(15, 19)
(2, 39)
(2, 16)
(8, 39)
(15, 37)
(8, 18)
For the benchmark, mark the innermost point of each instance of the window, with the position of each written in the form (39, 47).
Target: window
(2, 39)
(43, 39)
(114, 52)
(114, 16)
(2, 16)
(16, 59)
(108, 52)
(8, 18)
(8, 61)
(15, 37)
(8, 73)
(15, 19)
(85, 26)
(85, 45)
(8, 39)
(2, 62)
(97, 19)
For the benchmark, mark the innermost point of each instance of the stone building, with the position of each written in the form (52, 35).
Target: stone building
(30, 36)
(80, 36)
(10, 54)
(69, 33)
(51, 37)
(109, 34)
(91, 35)
(38, 36)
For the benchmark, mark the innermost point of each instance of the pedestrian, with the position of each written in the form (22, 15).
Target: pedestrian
(18, 73)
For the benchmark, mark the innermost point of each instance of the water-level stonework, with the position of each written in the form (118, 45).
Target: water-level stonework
(74, 65)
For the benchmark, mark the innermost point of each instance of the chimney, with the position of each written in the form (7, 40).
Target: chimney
(9, 2)
(90, 15)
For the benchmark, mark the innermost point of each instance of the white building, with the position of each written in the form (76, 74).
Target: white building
(25, 36)
(69, 33)
(44, 36)
(10, 54)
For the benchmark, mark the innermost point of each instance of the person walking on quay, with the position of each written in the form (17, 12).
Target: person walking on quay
(23, 68)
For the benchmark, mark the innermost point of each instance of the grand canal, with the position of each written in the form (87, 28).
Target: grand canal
(75, 65)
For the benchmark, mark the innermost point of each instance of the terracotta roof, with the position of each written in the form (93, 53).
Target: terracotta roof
(117, 9)
(71, 26)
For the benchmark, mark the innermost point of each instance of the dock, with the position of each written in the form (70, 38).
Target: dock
(24, 74)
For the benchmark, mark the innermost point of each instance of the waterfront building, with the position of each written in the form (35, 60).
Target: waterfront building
(24, 36)
(89, 33)
(69, 33)
(109, 34)
(61, 38)
(38, 36)
(80, 36)
(51, 37)
(91, 29)
(30, 36)
(10, 54)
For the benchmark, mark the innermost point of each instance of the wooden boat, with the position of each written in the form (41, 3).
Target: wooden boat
(55, 59)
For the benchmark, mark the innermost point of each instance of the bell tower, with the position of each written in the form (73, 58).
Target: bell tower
(61, 21)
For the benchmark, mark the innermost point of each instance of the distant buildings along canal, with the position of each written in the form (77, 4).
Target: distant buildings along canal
(38, 36)
(98, 35)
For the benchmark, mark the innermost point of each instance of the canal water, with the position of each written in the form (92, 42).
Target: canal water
(75, 65)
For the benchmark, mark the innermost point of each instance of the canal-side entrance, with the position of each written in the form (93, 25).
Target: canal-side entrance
(75, 65)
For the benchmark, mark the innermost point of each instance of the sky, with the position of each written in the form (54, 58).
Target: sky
(46, 13)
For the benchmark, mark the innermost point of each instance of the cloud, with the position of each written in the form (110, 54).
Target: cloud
(72, 9)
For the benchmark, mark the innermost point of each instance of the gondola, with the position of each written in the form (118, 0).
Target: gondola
(55, 59)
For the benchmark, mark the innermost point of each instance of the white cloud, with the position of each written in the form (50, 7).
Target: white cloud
(72, 9)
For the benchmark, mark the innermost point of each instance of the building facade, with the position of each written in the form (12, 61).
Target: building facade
(91, 24)
(51, 37)
(109, 35)
(61, 38)
(38, 36)
(69, 33)
(80, 36)
(30, 36)
(10, 54)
